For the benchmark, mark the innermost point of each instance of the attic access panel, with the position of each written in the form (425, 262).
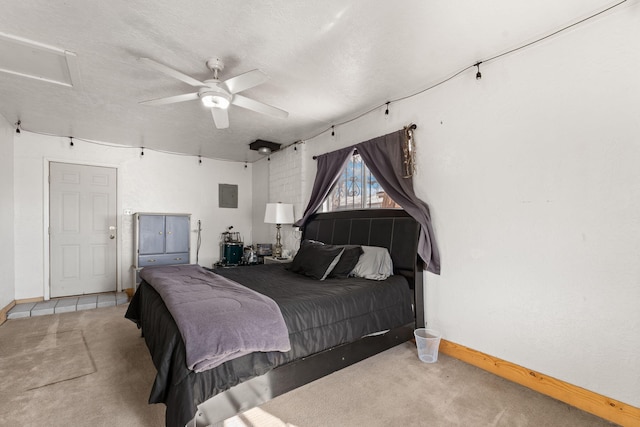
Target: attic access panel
(27, 58)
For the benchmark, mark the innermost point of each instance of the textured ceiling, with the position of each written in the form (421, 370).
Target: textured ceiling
(328, 61)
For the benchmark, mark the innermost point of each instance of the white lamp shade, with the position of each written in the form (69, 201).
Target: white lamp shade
(278, 213)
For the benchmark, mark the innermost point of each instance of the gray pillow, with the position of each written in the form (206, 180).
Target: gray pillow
(375, 263)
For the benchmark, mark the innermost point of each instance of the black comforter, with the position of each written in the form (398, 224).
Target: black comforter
(318, 314)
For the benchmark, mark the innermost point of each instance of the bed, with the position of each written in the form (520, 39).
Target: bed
(332, 323)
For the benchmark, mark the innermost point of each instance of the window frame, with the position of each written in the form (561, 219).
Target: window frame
(363, 190)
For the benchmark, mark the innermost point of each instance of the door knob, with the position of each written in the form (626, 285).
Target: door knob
(112, 232)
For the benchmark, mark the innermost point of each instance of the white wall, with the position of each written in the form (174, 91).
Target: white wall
(533, 181)
(261, 231)
(7, 267)
(155, 182)
(286, 183)
(279, 178)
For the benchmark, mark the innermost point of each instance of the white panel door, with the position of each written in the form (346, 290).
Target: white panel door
(82, 229)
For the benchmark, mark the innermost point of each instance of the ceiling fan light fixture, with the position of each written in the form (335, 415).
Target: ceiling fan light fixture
(216, 95)
(212, 98)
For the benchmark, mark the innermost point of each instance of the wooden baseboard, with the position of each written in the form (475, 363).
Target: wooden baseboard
(5, 311)
(594, 403)
(28, 300)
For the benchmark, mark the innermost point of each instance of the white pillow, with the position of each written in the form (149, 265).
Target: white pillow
(374, 263)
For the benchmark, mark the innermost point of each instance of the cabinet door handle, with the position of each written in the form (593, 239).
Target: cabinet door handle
(152, 260)
(178, 259)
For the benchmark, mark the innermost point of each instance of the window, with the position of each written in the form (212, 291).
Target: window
(357, 188)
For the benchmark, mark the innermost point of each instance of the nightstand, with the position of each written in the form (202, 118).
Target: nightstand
(274, 260)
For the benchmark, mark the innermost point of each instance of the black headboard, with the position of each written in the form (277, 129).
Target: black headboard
(390, 228)
(393, 229)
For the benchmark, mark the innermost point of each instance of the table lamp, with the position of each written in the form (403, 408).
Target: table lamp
(278, 214)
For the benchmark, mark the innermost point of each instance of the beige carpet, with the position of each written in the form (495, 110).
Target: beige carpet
(112, 375)
(395, 388)
(66, 351)
(114, 393)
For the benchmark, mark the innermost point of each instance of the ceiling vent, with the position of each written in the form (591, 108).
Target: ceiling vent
(27, 58)
(264, 147)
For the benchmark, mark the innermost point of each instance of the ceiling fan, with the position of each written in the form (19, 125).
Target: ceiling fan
(215, 94)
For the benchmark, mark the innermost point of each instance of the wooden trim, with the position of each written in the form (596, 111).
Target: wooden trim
(28, 300)
(5, 311)
(594, 403)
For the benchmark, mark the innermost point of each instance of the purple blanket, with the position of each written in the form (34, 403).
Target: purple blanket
(218, 319)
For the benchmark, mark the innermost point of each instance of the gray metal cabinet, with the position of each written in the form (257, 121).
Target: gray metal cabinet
(162, 239)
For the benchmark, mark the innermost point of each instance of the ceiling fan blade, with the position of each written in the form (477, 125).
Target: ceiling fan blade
(172, 99)
(257, 106)
(245, 81)
(171, 72)
(220, 118)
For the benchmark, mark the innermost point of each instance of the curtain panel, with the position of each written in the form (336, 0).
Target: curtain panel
(384, 158)
(330, 165)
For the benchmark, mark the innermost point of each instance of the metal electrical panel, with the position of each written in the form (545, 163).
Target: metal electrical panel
(227, 195)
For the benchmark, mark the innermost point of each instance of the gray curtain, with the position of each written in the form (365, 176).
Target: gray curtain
(330, 166)
(384, 158)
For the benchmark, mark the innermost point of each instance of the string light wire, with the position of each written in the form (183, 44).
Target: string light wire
(386, 104)
(125, 147)
(465, 69)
